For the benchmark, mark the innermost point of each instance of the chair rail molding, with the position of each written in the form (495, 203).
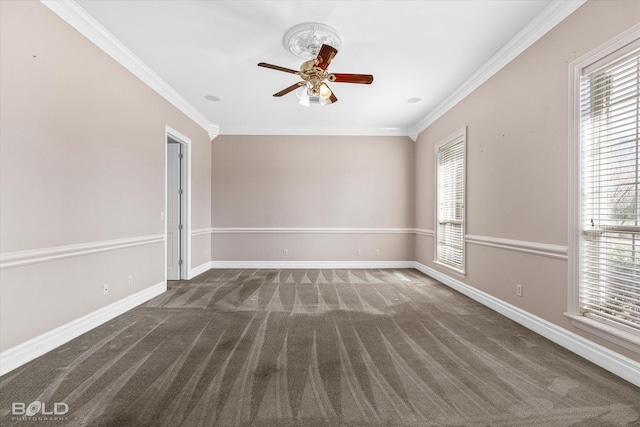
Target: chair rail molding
(534, 248)
(424, 232)
(308, 230)
(34, 256)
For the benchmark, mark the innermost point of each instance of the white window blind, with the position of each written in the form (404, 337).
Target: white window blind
(450, 227)
(609, 276)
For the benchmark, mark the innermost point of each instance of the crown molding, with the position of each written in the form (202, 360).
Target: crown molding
(317, 131)
(84, 23)
(79, 19)
(551, 16)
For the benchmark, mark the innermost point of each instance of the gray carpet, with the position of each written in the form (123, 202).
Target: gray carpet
(316, 348)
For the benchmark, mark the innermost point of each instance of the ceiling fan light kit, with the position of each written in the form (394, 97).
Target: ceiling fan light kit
(307, 97)
(318, 44)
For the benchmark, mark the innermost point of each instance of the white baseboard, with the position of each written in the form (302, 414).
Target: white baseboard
(613, 362)
(311, 264)
(19, 355)
(199, 270)
(618, 364)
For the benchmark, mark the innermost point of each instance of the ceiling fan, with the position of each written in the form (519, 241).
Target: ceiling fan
(314, 73)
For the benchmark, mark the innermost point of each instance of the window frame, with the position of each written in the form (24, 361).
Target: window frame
(458, 136)
(604, 54)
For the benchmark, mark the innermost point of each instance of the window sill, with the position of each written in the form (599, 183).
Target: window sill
(607, 332)
(457, 272)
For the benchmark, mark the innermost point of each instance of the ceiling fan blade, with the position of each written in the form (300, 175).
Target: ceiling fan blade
(325, 56)
(275, 67)
(365, 79)
(333, 99)
(289, 89)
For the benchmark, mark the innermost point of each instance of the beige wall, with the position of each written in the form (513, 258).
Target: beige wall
(82, 161)
(517, 165)
(312, 182)
(82, 146)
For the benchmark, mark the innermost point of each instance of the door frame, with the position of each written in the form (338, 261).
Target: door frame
(185, 233)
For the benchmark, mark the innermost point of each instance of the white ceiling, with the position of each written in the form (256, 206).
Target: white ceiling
(423, 49)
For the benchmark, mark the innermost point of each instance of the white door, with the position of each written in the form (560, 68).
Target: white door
(174, 210)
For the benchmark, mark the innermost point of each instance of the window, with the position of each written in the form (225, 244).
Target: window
(605, 295)
(450, 195)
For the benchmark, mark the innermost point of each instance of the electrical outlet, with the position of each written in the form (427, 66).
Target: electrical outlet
(519, 290)
(285, 252)
(377, 252)
(105, 289)
(358, 251)
(130, 280)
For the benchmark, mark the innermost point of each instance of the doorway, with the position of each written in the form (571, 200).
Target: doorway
(177, 205)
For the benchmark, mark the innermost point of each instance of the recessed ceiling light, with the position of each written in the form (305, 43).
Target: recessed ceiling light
(413, 100)
(212, 98)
